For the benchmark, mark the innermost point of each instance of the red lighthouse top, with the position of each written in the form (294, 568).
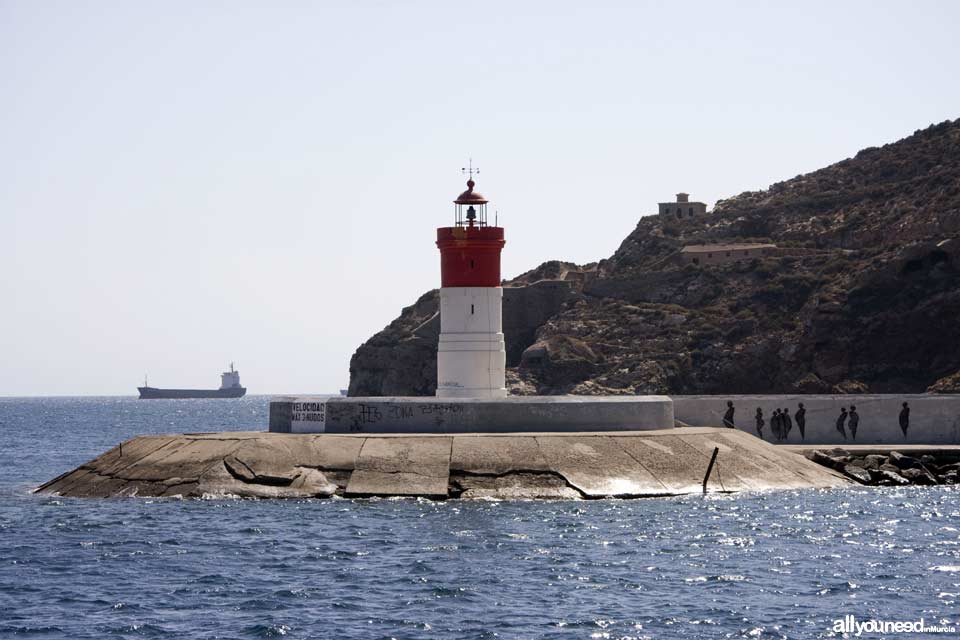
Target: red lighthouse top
(470, 250)
(470, 196)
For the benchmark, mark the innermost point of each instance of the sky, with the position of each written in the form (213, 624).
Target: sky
(187, 184)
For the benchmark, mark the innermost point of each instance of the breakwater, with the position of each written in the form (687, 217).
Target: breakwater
(877, 466)
(529, 465)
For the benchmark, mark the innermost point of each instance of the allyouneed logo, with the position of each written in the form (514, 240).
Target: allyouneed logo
(849, 624)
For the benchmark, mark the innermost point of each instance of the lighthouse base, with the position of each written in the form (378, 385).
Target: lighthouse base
(541, 414)
(471, 357)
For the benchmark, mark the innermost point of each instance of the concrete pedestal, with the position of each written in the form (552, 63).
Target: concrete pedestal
(332, 414)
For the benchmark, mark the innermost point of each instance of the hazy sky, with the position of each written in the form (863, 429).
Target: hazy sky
(190, 183)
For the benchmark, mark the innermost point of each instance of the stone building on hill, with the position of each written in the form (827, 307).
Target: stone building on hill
(682, 209)
(724, 253)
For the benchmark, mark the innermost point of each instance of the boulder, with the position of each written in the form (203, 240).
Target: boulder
(873, 461)
(860, 463)
(902, 461)
(927, 459)
(859, 474)
(952, 466)
(950, 477)
(919, 475)
(887, 478)
(314, 482)
(889, 468)
(828, 460)
(239, 470)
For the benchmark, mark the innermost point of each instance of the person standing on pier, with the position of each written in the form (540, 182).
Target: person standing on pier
(760, 422)
(787, 423)
(854, 421)
(801, 417)
(728, 416)
(905, 419)
(841, 420)
(776, 425)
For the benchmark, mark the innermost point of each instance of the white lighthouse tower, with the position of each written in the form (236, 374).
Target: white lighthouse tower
(471, 358)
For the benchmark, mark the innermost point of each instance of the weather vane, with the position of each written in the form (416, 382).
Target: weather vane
(470, 170)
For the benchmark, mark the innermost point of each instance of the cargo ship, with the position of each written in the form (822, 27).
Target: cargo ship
(229, 388)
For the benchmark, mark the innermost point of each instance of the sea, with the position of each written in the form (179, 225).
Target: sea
(789, 564)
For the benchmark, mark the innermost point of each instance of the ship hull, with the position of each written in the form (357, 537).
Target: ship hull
(152, 393)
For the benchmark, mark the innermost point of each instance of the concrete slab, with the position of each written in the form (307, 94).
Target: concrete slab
(599, 467)
(330, 452)
(679, 467)
(118, 458)
(183, 458)
(402, 467)
(768, 458)
(496, 454)
(788, 471)
(735, 469)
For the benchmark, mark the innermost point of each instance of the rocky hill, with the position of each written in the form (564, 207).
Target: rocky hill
(863, 295)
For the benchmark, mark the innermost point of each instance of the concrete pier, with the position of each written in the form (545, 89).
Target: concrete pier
(335, 414)
(507, 466)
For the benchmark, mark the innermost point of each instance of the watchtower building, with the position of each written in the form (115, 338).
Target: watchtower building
(682, 209)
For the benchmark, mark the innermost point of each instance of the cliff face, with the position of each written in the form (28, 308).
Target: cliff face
(868, 300)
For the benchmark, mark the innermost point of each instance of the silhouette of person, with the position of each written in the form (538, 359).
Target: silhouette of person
(728, 416)
(905, 419)
(776, 425)
(854, 421)
(801, 417)
(787, 423)
(760, 422)
(840, 420)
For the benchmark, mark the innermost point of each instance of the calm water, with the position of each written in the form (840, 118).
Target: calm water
(780, 565)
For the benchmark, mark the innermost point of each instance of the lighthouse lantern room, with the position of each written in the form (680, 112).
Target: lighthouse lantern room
(471, 357)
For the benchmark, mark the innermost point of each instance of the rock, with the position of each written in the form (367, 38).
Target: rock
(890, 468)
(946, 384)
(950, 477)
(239, 470)
(859, 474)
(887, 478)
(860, 463)
(314, 483)
(919, 475)
(515, 486)
(902, 461)
(873, 461)
(838, 452)
(926, 459)
(827, 460)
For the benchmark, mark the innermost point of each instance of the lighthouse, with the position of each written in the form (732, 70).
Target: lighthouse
(471, 357)
(471, 386)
